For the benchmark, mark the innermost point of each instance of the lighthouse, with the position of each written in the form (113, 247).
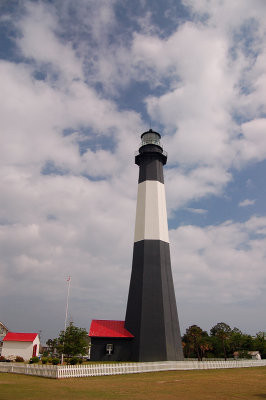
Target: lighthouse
(151, 315)
(151, 330)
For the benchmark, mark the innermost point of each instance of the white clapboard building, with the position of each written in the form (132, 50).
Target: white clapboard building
(24, 345)
(3, 332)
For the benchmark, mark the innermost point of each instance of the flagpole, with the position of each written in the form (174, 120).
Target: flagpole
(68, 289)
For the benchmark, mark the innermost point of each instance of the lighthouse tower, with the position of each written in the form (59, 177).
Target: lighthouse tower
(151, 315)
(150, 331)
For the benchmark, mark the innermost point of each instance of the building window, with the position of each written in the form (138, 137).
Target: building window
(109, 348)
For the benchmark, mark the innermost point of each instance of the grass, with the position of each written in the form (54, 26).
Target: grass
(229, 384)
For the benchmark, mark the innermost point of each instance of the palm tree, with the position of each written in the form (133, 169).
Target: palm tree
(196, 339)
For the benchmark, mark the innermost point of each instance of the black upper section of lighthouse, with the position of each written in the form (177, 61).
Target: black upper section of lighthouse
(151, 157)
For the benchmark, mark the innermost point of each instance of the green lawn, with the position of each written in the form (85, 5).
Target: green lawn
(242, 384)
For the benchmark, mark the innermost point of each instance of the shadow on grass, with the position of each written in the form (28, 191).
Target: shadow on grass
(261, 395)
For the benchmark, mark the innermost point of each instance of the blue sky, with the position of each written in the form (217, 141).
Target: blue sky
(80, 81)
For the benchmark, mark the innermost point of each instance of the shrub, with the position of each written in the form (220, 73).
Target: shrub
(80, 360)
(2, 359)
(74, 360)
(44, 360)
(34, 360)
(244, 354)
(19, 359)
(55, 361)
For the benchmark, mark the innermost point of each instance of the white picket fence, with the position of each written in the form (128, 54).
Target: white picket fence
(75, 371)
(47, 371)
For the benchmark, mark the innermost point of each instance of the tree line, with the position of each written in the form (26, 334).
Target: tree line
(222, 342)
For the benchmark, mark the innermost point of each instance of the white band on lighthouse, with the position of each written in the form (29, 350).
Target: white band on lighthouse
(151, 215)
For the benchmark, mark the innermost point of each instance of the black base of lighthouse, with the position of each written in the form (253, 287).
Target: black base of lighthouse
(151, 310)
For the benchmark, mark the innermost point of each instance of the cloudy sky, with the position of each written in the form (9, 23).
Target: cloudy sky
(79, 82)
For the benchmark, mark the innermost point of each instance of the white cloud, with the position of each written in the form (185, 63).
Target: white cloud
(209, 67)
(40, 43)
(57, 225)
(220, 264)
(253, 143)
(196, 210)
(182, 185)
(42, 113)
(246, 202)
(226, 14)
(196, 109)
(62, 226)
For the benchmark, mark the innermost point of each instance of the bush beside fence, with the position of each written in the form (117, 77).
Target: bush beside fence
(75, 371)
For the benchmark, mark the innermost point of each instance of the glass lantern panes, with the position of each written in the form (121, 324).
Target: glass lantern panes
(150, 138)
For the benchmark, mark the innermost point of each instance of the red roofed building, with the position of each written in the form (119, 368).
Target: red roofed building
(109, 340)
(25, 345)
(105, 328)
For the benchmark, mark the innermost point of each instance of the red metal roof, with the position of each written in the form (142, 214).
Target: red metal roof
(19, 337)
(106, 328)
